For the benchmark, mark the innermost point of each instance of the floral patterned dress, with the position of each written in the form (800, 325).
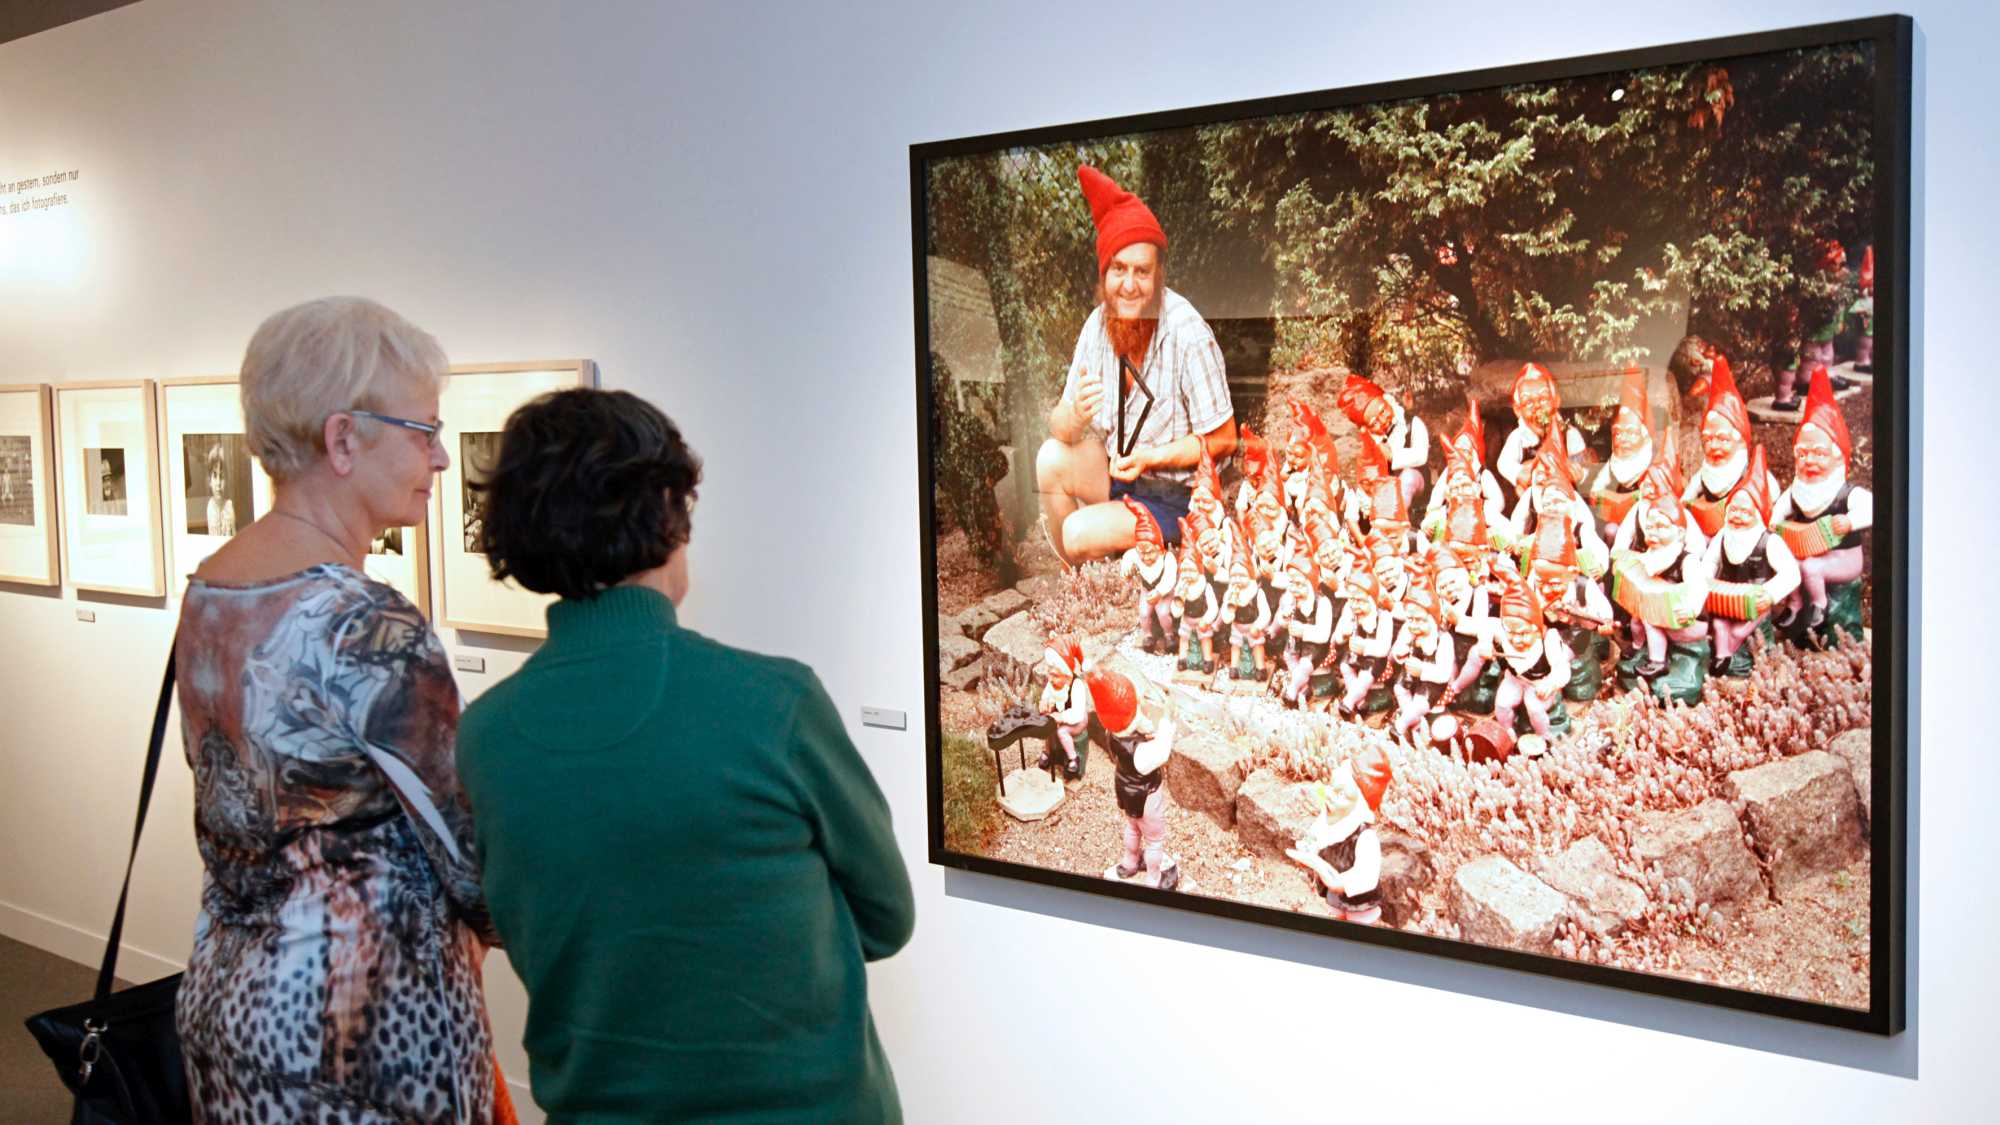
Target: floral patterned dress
(335, 974)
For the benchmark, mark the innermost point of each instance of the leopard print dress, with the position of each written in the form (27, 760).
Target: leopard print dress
(335, 973)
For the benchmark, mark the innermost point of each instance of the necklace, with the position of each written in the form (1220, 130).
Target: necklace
(328, 535)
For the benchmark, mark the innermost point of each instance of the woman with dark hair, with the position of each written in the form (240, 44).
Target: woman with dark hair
(687, 857)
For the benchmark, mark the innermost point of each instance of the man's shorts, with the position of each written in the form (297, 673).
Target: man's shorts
(1168, 502)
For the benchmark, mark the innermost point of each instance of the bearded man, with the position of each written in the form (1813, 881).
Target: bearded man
(1146, 396)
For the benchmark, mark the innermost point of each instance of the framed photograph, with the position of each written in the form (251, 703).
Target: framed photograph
(110, 487)
(215, 488)
(27, 487)
(1466, 514)
(476, 402)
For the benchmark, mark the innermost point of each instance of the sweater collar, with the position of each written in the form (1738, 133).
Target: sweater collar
(615, 616)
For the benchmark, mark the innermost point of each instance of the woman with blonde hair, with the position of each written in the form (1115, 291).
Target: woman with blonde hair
(336, 964)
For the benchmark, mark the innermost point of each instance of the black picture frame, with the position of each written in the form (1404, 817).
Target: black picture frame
(1891, 688)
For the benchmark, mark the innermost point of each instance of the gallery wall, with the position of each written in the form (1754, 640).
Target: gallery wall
(711, 201)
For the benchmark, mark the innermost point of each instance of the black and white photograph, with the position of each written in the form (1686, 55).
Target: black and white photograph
(17, 480)
(104, 477)
(389, 542)
(476, 454)
(218, 484)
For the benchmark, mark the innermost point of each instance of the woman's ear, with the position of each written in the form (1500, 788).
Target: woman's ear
(342, 443)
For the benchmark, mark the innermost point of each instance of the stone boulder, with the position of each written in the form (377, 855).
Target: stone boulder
(1004, 604)
(1703, 845)
(966, 678)
(1802, 812)
(1857, 749)
(1497, 903)
(1018, 639)
(955, 651)
(1272, 813)
(1039, 586)
(1585, 872)
(1407, 871)
(975, 621)
(1204, 774)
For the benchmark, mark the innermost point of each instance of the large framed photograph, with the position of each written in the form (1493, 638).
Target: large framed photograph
(110, 487)
(474, 406)
(27, 487)
(215, 488)
(1466, 514)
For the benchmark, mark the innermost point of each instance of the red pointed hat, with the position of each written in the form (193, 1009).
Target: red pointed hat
(1632, 395)
(1822, 411)
(1145, 529)
(1307, 419)
(1205, 474)
(1065, 651)
(1757, 482)
(1302, 563)
(1114, 699)
(1471, 437)
(1868, 272)
(1534, 381)
(1256, 453)
(1372, 774)
(1355, 396)
(1553, 459)
(1517, 597)
(1725, 399)
(1120, 216)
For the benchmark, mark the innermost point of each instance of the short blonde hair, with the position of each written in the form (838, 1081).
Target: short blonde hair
(317, 359)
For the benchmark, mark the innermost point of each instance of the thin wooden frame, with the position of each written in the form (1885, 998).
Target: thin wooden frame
(32, 402)
(467, 596)
(1891, 686)
(78, 563)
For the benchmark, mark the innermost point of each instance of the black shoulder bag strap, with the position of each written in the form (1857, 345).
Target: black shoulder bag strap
(106, 972)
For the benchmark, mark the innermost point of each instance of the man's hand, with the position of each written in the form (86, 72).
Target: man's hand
(1129, 467)
(1089, 396)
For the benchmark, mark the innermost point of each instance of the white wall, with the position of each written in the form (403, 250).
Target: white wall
(712, 201)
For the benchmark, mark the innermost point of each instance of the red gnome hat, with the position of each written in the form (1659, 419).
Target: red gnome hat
(1145, 529)
(1384, 489)
(1757, 481)
(1356, 396)
(1307, 419)
(1256, 453)
(1205, 474)
(1469, 447)
(1822, 411)
(1302, 564)
(1372, 774)
(1114, 699)
(1553, 460)
(1725, 399)
(1517, 597)
(1534, 382)
(1868, 272)
(1120, 217)
(1632, 396)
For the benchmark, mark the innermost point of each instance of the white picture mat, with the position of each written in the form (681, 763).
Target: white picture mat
(120, 553)
(24, 548)
(476, 402)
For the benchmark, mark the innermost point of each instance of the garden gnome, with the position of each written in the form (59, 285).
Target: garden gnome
(1824, 518)
(1551, 520)
(1066, 701)
(1614, 488)
(1424, 654)
(1249, 612)
(1818, 350)
(1657, 577)
(1751, 569)
(1139, 726)
(1536, 412)
(1365, 633)
(1534, 662)
(1308, 628)
(1200, 610)
(1402, 435)
(1467, 500)
(1153, 565)
(1725, 449)
(1341, 847)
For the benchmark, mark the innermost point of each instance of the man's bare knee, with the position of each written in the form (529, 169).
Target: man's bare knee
(1052, 463)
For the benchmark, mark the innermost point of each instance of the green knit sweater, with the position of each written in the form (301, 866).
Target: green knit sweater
(689, 863)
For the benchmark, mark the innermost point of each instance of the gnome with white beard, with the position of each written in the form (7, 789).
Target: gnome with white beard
(1823, 517)
(1751, 569)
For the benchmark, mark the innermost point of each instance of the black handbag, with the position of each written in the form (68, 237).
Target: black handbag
(119, 1052)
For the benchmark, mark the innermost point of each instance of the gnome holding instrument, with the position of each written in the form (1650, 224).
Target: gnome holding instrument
(1725, 449)
(1752, 570)
(1382, 499)
(1308, 621)
(1467, 500)
(1424, 653)
(1614, 487)
(1534, 661)
(1363, 636)
(1341, 847)
(1154, 566)
(1658, 578)
(1465, 608)
(1139, 724)
(1200, 611)
(1402, 435)
(1578, 610)
(1551, 520)
(1250, 613)
(1536, 413)
(1823, 517)
(1066, 700)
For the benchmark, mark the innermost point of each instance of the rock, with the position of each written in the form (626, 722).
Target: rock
(1018, 638)
(1857, 749)
(1703, 845)
(1039, 586)
(1407, 871)
(966, 678)
(1004, 604)
(1204, 774)
(974, 622)
(1497, 903)
(1272, 813)
(1586, 873)
(1802, 812)
(955, 651)
(1031, 794)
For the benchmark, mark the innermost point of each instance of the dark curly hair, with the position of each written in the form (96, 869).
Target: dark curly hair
(590, 488)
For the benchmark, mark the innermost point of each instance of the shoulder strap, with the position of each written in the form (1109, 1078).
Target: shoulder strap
(106, 973)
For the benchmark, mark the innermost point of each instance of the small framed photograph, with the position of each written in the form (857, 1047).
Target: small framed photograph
(27, 488)
(474, 407)
(215, 488)
(110, 487)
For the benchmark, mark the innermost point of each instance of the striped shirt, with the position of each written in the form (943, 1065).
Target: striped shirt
(1183, 374)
